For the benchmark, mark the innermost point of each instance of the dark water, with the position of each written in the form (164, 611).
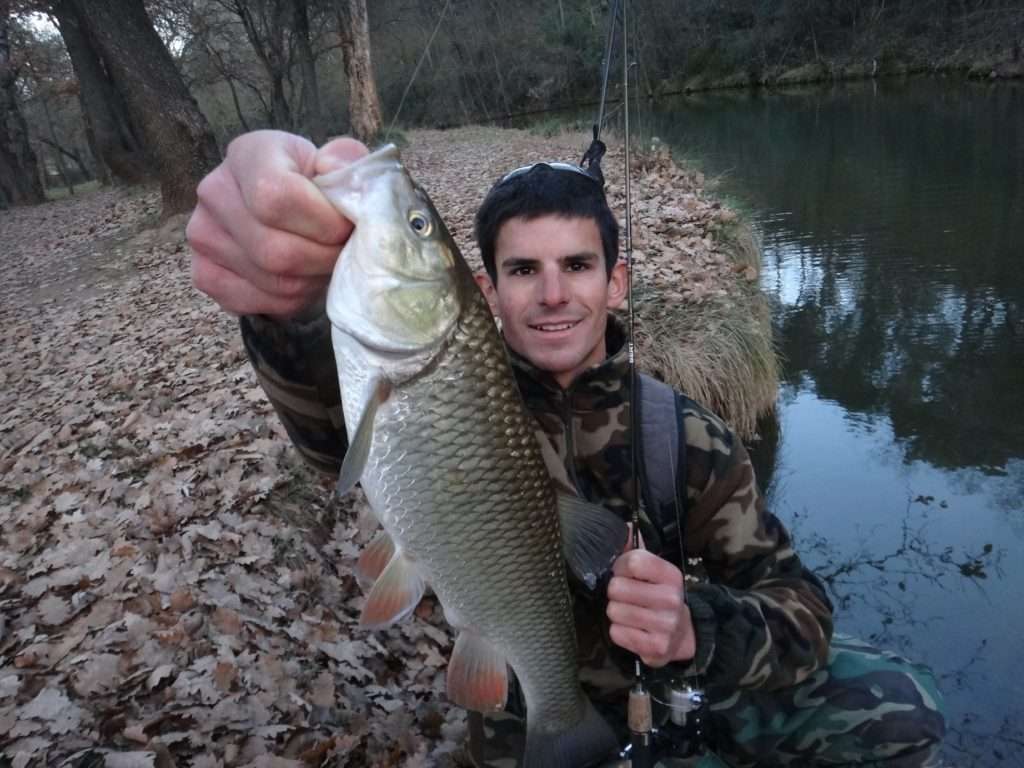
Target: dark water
(892, 220)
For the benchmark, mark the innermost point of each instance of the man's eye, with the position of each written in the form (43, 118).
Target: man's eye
(522, 271)
(577, 266)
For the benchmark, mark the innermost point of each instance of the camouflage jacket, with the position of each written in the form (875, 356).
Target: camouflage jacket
(762, 620)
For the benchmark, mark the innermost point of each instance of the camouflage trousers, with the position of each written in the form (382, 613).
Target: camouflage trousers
(864, 708)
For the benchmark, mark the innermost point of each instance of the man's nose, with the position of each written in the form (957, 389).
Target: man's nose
(554, 289)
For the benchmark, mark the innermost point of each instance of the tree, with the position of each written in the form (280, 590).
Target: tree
(264, 22)
(114, 140)
(173, 131)
(19, 168)
(364, 103)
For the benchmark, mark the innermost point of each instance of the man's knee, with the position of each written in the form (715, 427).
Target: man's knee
(866, 707)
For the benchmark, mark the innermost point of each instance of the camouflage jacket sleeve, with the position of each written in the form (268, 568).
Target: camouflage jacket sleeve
(294, 362)
(762, 619)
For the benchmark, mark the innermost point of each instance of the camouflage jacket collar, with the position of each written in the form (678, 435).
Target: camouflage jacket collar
(600, 387)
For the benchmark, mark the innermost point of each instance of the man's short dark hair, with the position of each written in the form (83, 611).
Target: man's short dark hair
(542, 190)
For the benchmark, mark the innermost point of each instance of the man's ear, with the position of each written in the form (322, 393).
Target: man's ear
(617, 285)
(489, 291)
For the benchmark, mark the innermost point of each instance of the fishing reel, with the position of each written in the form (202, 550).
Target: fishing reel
(665, 721)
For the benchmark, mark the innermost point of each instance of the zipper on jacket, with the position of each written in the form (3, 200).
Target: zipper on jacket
(570, 445)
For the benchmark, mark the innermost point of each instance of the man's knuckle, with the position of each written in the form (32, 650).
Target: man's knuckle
(210, 185)
(268, 199)
(615, 587)
(289, 288)
(199, 234)
(673, 599)
(203, 278)
(271, 256)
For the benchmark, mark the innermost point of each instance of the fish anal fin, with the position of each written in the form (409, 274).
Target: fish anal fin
(359, 444)
(395, 594)
(592, 537)
(374, 559)
(477, 674)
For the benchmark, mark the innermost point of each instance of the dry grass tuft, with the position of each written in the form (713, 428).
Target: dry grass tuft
(723, 357)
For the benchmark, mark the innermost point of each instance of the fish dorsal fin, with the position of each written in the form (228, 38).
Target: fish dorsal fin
(359, 444)
(374, 559)
(394, 595)
(592, 537)
(477, 674)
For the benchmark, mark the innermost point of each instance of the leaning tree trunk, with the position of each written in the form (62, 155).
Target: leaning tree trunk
(364, 103)
(174, 132)
(19, 166)
(114, 141)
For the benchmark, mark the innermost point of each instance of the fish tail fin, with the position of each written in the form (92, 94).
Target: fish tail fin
(590, 742)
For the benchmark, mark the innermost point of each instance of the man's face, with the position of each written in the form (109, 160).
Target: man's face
(553, 293)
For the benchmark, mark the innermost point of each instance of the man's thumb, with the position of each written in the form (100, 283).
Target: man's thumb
(337, 154)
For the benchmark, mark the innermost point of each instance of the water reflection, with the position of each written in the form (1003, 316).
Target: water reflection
(891, 216)
(892, 230)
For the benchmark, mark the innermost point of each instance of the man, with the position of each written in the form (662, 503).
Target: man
(757, 632)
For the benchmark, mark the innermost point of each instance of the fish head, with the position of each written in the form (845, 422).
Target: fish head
(395, 288)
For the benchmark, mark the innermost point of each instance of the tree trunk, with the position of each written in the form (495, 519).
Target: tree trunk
(364, 103)
(313, 114)
(58, 156)
(264, 26)
(174, 131)
(83, 169)
(19, 166)
(113, 139)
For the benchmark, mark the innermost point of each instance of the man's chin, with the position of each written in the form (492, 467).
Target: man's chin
(555, 364)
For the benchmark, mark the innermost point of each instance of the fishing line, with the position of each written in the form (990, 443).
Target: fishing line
(609, 43)
(416, 71)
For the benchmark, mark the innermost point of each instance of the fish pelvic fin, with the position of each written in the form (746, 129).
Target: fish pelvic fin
(359, 445)
(394, 595)
(592, 537)
(374, 559)
(477, 674)
(591, 742)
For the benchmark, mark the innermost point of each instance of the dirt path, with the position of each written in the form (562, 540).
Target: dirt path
(172, 585)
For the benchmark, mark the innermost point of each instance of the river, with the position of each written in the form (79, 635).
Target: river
(891, 215)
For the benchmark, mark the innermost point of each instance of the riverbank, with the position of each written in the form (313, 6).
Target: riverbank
(888, 62)
(175, 583)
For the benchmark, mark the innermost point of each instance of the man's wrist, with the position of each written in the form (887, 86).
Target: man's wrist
(702, 617)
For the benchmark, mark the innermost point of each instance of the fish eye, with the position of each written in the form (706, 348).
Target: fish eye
(420, 223)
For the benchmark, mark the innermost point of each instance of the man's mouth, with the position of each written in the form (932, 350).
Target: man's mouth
(554, 327)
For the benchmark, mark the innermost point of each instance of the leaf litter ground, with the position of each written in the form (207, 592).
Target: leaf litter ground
(176, 587)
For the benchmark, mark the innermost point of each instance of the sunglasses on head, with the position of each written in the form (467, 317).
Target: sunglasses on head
(554, 166)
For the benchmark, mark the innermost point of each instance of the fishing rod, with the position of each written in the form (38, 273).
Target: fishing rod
(640, 713)
(683, 702)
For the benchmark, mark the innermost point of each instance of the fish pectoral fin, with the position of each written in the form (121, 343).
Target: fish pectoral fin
(592, 537)
(395, 594)
(477, 674)
(359, 446)
(374, 559)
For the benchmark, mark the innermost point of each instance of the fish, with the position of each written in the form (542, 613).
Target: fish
(453, 467)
